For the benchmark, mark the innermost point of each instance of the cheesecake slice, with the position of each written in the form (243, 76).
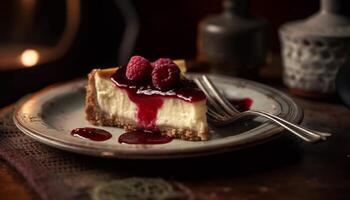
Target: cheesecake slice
(114, 100)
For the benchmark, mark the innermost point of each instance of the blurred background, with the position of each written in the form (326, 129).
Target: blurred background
(44, 42)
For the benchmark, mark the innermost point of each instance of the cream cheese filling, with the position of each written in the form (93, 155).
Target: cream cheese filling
(112, 101)
(174, 112)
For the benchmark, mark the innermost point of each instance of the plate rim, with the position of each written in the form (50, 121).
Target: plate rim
(268, 134)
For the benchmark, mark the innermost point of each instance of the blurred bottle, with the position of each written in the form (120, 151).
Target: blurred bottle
(34, 34)
(43, 42)
(233, 42)
(28, 40)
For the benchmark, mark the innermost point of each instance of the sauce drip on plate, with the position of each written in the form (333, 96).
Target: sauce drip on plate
(143, 137)
(242, 104)
(93, 134)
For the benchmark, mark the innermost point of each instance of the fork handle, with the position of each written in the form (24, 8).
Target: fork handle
(301, 132)
(312, 132)
(231, 112)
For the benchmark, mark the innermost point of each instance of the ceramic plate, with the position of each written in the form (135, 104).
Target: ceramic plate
(49, 115)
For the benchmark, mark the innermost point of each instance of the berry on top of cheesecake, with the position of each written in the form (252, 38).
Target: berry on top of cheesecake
(164, 73)
(138, 69)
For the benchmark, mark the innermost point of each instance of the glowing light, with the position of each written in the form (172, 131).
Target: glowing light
(29, 57)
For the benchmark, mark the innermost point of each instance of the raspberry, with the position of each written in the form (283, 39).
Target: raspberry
(162, 61)
(138, 69)
(165, 76)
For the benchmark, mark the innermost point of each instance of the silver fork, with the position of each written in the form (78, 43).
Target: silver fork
(222, 112)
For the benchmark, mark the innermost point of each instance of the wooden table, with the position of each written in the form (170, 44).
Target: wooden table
(284, 168)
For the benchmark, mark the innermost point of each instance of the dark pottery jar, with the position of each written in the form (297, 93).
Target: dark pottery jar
(233, 42)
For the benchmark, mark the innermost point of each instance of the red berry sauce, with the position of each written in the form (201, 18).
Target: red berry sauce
(148, 99)
(93, 134)
(242, 104)
(143, 137)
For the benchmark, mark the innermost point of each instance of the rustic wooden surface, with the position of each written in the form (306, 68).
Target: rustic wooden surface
(12, 185)
(284, 168)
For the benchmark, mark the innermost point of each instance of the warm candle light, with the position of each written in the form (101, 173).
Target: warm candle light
(29, 57)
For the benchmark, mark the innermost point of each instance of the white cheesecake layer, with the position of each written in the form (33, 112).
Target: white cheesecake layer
(113, 101)
(179, 113)
(174, 112)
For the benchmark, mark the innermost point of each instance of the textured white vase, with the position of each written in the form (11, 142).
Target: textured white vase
(314, 49)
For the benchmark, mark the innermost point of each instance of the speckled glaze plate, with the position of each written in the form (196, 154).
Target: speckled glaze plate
(49, 115)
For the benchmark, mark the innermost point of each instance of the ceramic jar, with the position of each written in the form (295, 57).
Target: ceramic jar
(233, 42)
(315, 48)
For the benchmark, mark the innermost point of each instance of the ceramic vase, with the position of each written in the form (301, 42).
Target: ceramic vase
(315, 48)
